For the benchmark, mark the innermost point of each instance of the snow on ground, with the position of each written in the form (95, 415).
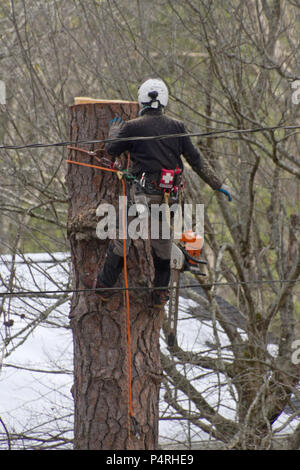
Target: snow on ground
(27, 396)
(30, 396)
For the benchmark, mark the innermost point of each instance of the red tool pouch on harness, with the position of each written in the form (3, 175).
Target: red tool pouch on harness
(168, 178)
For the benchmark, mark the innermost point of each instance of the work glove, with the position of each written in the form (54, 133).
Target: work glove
(225, 190)
(115, 125)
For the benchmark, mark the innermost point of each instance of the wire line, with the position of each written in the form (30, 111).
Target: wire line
(156, 137)
(185, 286)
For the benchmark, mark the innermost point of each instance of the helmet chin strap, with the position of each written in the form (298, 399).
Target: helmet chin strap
(144, 108)
(149, 106)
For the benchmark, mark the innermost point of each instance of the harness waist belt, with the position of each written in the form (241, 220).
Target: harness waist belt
(167, 179)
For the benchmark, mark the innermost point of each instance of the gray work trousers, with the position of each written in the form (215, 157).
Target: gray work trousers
(157, 221)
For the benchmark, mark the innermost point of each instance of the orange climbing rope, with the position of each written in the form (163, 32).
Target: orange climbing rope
(119, 174)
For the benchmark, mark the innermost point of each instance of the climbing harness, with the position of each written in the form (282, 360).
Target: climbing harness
(165, 181)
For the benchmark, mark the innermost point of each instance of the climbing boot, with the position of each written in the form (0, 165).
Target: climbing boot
(161, 279)
(112, 268)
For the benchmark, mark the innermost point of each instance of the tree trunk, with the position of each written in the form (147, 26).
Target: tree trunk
(100, 329)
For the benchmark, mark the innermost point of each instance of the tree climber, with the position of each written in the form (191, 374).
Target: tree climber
(157, 168)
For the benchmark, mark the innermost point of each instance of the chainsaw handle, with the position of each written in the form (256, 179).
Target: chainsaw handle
(196, 271)
(191, 258)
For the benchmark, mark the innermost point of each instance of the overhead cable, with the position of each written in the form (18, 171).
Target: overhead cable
(140, 288)
(155, 137)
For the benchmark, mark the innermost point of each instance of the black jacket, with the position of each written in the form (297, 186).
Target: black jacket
(152, 155)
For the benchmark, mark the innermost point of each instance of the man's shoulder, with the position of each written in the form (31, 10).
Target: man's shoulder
(134, 121)
(174, 121)
(163, 117)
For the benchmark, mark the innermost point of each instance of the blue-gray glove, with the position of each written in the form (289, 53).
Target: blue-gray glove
(225, 190)
(115, 125)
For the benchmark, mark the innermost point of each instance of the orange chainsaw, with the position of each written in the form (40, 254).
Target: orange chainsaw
(185, 256)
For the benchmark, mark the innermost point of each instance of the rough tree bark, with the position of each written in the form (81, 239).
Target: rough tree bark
(99, 329)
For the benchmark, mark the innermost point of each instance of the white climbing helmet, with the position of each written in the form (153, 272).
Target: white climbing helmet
(153, 92)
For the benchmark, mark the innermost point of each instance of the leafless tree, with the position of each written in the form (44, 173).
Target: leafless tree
(228, 65)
